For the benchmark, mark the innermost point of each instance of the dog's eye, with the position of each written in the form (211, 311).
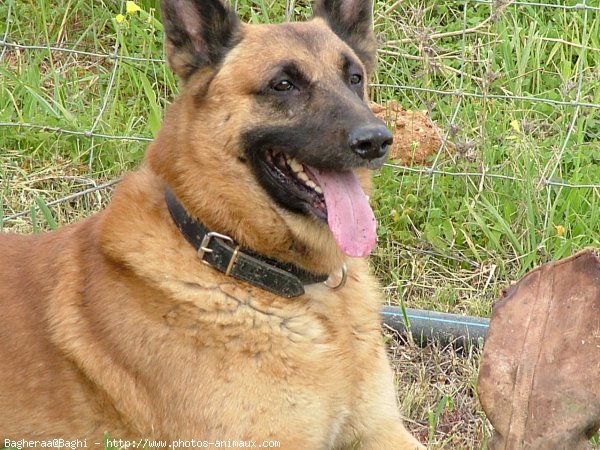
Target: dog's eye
(355, 79)
(282, 86)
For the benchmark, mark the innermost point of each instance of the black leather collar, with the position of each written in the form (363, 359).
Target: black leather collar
(222, 253)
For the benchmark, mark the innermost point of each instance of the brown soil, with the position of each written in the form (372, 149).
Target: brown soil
(416, 137)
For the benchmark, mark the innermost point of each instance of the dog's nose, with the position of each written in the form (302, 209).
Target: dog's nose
(370, 141)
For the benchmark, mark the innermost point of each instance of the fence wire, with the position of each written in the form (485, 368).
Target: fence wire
(117, 56)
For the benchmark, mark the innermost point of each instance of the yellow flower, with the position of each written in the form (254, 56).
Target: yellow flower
(120, 18)
(131, 7)
(560, 230)
(515, 126)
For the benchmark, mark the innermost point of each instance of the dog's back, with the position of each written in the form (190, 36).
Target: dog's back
(34, 272)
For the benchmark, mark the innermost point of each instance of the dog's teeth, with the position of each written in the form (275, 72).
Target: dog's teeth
(298, 169)
(295, 165)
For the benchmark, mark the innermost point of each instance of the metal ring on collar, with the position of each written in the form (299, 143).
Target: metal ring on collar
(342, 282)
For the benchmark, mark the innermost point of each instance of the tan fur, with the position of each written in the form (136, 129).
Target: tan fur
(114, 324)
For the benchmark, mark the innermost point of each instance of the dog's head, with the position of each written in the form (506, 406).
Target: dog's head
(282, 110)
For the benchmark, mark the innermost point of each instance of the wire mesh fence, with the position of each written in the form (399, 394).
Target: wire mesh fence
(513, 88)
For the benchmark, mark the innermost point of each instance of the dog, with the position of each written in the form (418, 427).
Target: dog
(224, 292)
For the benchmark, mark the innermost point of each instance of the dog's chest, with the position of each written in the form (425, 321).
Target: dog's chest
(299, 367)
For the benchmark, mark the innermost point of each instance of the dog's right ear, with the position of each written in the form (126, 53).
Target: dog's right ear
(352, 21)
(198, 33)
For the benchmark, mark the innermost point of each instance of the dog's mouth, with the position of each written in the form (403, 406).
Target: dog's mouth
(332, 196)
(299, 180)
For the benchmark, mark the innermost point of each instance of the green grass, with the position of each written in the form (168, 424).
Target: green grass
(481, 222)
(447, 242)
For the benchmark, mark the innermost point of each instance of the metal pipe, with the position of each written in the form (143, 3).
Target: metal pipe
(445, 328)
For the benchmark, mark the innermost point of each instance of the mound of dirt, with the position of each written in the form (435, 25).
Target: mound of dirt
(416, 137)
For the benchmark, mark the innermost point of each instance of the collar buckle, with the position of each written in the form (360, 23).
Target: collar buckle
(204, 245)
(205, 248)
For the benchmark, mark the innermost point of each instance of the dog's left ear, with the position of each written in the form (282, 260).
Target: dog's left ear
(352, 21)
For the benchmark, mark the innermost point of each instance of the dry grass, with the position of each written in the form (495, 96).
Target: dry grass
(27, 179)
(436, 391)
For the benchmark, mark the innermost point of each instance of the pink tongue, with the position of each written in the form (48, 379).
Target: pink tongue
(349, 214)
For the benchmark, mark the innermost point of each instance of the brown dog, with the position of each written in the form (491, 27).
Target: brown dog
(144, 323)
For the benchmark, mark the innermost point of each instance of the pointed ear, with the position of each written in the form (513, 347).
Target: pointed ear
(352, 21)
(198, 33)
